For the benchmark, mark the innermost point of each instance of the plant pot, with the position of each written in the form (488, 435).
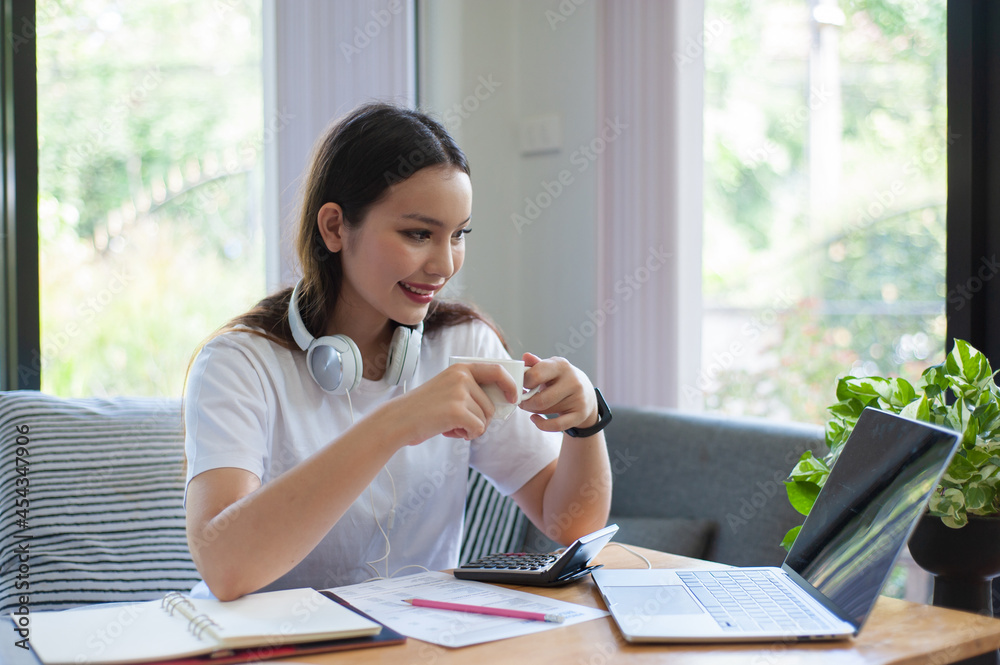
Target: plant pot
(963, 561)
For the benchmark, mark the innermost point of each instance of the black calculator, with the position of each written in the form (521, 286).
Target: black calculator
(541, 569)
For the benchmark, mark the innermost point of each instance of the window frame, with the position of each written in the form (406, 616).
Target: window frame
(20, 334)
(972, 307)
(973, 70)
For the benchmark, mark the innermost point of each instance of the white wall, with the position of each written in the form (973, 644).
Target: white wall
(486, 67)
(554, 230)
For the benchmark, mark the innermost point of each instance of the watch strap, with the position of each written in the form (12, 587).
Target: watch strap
(603, 418)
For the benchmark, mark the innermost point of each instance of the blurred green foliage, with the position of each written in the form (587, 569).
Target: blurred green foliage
(860, 281)
(150, 150)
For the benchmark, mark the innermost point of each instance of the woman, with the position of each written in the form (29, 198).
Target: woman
(300, 464)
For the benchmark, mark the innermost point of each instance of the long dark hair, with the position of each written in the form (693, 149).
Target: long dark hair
(353, 165)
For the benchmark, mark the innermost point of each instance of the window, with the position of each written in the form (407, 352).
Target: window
(150, 125)
(825, 189)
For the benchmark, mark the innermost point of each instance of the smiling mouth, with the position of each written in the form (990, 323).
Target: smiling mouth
(419, 292)
(424, 290)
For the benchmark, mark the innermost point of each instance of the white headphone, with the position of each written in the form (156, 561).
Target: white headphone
(334, 361)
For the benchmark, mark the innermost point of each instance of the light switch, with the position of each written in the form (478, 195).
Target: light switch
(541, 134)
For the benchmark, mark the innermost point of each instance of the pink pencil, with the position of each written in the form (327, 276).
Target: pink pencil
(477, 609)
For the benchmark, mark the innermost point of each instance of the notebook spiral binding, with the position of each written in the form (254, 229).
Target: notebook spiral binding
(198, 624)
(173, 601)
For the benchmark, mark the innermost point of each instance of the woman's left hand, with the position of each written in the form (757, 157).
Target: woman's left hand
(566, 392)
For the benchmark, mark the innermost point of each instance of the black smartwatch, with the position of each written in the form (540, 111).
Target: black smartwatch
(603, 418)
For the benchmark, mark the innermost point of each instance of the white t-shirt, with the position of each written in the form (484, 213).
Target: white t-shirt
(251, 404)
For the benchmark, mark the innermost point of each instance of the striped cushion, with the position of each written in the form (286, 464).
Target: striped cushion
(105, 484)
(493, 522)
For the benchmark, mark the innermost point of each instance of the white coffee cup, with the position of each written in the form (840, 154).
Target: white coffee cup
(502, 408)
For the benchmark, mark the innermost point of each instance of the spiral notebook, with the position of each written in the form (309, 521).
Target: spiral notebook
(178, 627)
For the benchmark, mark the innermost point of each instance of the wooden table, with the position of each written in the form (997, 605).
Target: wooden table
(896, 632)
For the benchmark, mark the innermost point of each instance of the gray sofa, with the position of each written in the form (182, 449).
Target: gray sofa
(702, 485)
(105, 485)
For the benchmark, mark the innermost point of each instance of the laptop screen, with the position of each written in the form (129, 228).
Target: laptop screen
(872, 499)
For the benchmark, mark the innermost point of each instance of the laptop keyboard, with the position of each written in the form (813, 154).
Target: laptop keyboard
(751, 600)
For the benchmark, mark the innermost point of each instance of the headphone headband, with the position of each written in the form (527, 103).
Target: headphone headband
(299, 332)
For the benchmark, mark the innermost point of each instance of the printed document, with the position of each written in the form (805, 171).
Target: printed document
(384, 601)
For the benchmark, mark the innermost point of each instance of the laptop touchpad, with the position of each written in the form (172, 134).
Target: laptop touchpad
(653, 600)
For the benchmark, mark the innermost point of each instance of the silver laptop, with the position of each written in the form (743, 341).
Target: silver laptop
(834, 572)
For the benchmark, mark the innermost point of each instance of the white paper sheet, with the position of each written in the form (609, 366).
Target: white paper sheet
(384, 600)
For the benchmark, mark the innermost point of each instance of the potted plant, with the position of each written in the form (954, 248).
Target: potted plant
(962, 523)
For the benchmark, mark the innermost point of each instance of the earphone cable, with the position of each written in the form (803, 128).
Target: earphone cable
(632, 551)
(388, 547)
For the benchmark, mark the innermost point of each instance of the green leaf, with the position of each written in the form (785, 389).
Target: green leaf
(967, 363)
(918, 409)
(848, 409)
(976, 498)
(949, 505)
(837, 433)
(979, 458)
(934, 381)
(845, 392)
(987, 412)
(790, 537)
(955, 417)
(955, 522)
(971, 483)
(901, 393)
(960, 469)
(802, 495)
(809, 469)
(868, 387)
(970, 433)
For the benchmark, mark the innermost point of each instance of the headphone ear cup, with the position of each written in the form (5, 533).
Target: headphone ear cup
(334, 362)
(404, 351)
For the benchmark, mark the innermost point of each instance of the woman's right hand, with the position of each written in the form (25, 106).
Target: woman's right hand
(453, 403)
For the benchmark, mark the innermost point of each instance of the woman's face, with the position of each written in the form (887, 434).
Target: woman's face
(408, 246)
